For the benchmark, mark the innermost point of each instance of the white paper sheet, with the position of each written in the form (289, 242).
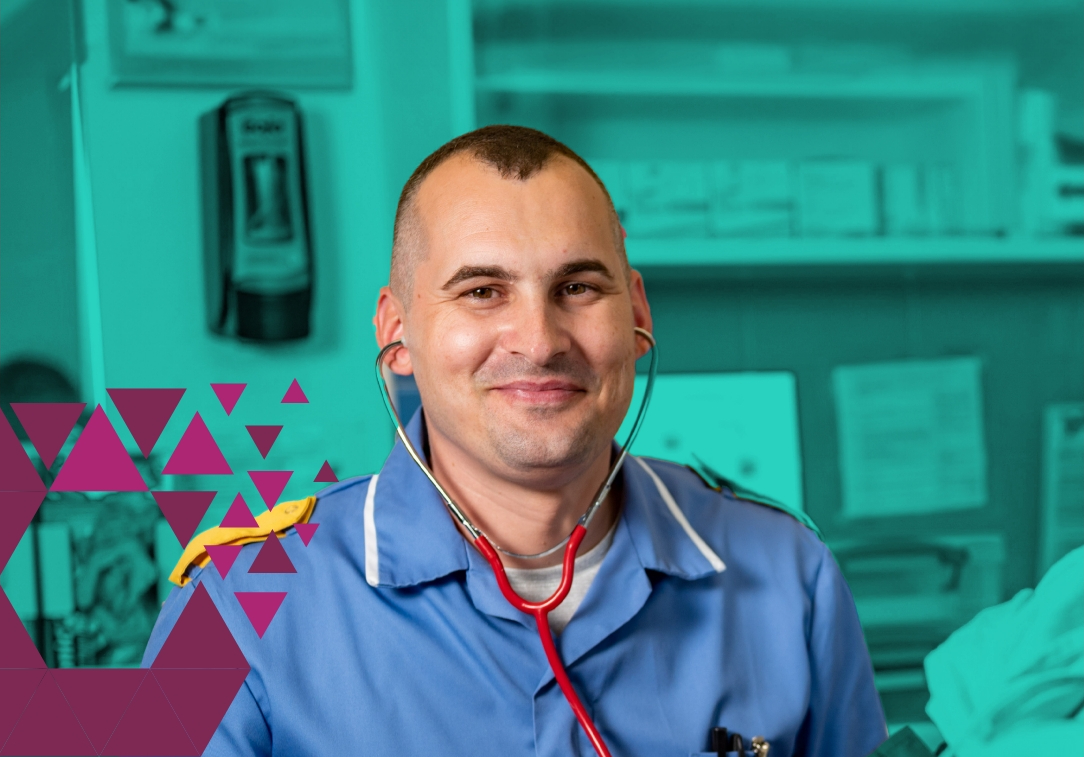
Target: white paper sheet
(744, 425)
(910, 437)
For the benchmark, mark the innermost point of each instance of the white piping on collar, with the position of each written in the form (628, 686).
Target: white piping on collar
(372, 555)
(679, 516)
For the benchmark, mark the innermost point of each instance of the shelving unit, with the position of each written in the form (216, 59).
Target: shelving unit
(678, 254)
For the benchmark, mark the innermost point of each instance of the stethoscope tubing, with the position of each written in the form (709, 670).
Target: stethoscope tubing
(538, 610)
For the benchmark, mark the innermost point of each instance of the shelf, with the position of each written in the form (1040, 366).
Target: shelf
(910, 85)
(877, 251)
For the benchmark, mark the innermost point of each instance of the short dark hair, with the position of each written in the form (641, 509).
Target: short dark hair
(517, 152)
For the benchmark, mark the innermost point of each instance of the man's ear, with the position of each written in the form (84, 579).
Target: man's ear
(641, 311)
(390, 326)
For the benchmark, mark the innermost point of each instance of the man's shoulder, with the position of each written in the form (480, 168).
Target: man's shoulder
(736, 520)
(723, 500)
(335, 508)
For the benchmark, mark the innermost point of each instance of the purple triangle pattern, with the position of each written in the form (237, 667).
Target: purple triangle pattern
(272, 558)
(326, 475)
(17, 473)
(264, 437)
(197, 453)
(294, 395)
(146, 412)
(183, 511)
(48, 425)
(239, 516)
(228, 394)
(99, 462)
(260, 607)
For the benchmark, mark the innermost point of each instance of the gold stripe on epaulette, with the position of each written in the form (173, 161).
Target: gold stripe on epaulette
(278, 519)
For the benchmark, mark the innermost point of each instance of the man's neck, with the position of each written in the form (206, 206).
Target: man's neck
(521, 515)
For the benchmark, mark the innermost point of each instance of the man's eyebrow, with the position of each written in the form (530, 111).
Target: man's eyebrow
(586, 265)
(467, 272)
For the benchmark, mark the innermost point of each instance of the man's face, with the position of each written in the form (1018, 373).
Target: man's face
(520, 325)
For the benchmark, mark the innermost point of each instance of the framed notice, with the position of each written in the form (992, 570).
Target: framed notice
(744, 425)
(1063, 482)
(231, 43)
(910, 437)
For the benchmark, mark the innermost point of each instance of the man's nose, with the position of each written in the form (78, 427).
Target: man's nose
(537, 331)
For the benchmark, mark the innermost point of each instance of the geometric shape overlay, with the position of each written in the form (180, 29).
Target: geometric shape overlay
(150, 726)
(272, 558)
(16, 511)
(48, 425)
(16, 648)
(197, 453)
(183, 511)
(294, 394)
(48, 726)
(200, 698)
(270, 483)
(238, 516)
(99, 699)
(305, 531)
(99, 462)
(260, 607)
(16, 688)
(228, 394)
(264, 437)
(17, 473)
(200, 638)
(326, 475)
(146, 412)
(223, 556)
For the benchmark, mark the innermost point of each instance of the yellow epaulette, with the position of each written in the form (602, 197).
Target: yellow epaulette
(278, 519)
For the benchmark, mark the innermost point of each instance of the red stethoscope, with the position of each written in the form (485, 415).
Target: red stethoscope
(538, 610)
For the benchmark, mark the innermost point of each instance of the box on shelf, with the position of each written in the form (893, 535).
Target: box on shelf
(837, 198)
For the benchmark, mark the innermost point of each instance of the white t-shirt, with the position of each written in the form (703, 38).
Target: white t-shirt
(536, 584)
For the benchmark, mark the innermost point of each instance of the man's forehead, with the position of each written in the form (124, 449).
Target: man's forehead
(465, 180)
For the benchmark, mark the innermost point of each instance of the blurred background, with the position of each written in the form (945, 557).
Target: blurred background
(860, 225)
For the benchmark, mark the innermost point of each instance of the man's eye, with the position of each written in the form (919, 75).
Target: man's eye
(481, 293)
(576, 289)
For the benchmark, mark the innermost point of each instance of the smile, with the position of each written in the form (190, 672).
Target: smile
(553, 392)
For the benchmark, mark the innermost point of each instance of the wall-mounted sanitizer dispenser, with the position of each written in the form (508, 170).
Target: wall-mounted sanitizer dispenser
(257, 244)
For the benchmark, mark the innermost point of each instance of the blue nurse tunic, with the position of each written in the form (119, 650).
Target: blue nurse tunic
(708, 610)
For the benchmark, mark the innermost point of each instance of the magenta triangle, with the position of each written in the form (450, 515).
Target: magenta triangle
(16, 689)
(294, 394)
(272, 558)
(16, 648)
(260, 607)
(239, 516)
(48, 425)
(183, 511)
(146, 412)
(326, 474)
(270, 483)
(200, 638)
(149, 726)
(305, 531)
(223, 556)
(264, 437)
(17, 473)
(98, 462)
(16, 511)
(228, 394)
(197, 453)
(99, 698)
(48, 725)
(200, 698)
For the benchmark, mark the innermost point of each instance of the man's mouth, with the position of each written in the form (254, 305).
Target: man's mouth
(547, 392)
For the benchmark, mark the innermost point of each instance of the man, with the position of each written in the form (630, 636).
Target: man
(691, 608)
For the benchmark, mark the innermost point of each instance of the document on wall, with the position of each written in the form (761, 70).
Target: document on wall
(910, 437)
(1063, 481)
